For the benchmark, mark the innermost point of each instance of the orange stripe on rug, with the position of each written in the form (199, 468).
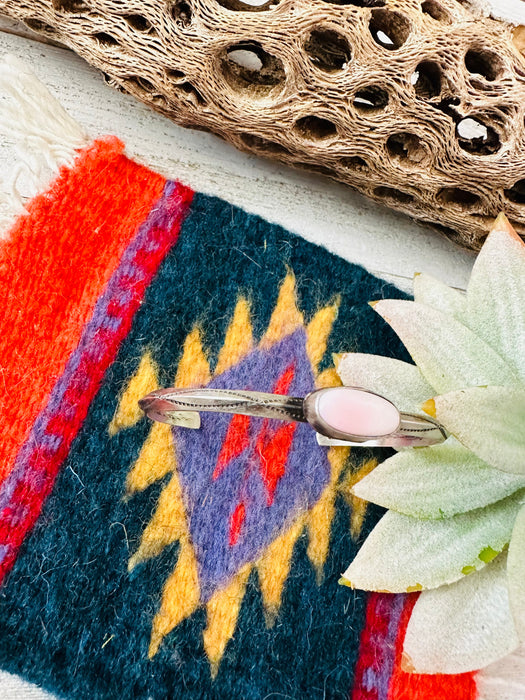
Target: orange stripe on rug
(49, 284)
(415, 686)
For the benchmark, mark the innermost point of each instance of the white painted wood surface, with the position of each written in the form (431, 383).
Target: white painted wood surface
(321, 211)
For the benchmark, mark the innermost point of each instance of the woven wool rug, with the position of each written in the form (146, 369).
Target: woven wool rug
(140, 561)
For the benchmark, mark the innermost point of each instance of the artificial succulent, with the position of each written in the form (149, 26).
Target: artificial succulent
(455, 526)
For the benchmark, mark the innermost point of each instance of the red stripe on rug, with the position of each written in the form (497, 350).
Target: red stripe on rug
(53, 268)
(374, 666)
(415, 686)
(24, 491)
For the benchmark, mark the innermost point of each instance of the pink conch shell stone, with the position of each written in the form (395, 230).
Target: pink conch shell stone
(358, 412)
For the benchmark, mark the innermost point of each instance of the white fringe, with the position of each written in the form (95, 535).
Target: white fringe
(44, 135)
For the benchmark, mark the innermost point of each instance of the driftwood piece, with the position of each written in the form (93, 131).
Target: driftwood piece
(419, 104)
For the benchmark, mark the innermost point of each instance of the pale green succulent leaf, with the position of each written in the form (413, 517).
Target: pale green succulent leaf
(430, 291)
(496, 295)
(489, 421)
(406, 554)
(462, 627)
(516, 573)
(436, 482)
(400, 382)
(448, 354)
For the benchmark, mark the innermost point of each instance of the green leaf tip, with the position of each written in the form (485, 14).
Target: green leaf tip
(466, 570)
(488, 554)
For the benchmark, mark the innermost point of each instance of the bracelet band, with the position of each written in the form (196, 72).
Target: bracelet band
(339, 415)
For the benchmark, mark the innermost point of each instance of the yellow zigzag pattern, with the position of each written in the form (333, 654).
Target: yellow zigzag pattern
(180, 596)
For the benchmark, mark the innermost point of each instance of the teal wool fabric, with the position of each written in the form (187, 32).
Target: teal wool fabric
(79, 620)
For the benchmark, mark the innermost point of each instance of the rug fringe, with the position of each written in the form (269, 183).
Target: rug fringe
(45, 137)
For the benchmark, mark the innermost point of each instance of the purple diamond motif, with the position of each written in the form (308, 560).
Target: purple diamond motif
(211, 502)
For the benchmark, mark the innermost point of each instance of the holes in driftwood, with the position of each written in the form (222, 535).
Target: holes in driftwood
(138, 22)
(449, 106)
(328, 49)
(389, 29)
(181, 12)
(246, 58)
(149, 92)
(250, 66)
(406, 148)
(71, 6)
(371, 98)
(175, 75)
(38, 26)
(456, 197)
(113, 83)
(315, 128)
(192, 93)
(247, 5)
(142, 84)
(105, 39)
(484, 63)
(476, 137)
(435, 10)
(160, 102)
(427, 80)
(262, 145)
(393, 195)
(355, 163)
(146, 90)
(358, 3)
(516, 193)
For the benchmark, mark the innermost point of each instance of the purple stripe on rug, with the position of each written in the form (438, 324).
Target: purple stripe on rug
(25, 489)
(378, 646)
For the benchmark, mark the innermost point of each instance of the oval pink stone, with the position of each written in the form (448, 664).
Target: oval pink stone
(357, 412)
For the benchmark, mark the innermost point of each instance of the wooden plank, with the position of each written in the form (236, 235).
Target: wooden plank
(320, 210)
